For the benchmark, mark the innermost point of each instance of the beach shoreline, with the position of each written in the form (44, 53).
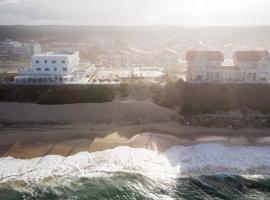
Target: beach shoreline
(27, 142)
(137, 125)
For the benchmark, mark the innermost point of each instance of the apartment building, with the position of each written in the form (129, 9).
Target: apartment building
(209, 66)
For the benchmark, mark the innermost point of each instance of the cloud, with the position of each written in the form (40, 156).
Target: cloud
(135, 12)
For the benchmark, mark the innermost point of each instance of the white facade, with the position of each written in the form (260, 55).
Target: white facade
(203, 65)
(247, 66)
(53, 67)
(250, 71)
(55, 64)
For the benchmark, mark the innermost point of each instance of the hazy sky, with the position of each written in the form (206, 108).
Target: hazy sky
(135, 12)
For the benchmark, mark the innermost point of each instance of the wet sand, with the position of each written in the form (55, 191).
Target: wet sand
(26, 141)
(82, 127)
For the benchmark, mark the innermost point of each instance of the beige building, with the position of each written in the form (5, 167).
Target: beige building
(247, 66)
(253, 65)
(203, 65)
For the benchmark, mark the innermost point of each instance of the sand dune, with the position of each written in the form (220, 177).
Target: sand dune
(93, 112)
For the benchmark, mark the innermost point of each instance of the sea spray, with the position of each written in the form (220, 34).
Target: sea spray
(202, 171)
(199, 159)
(84, 164)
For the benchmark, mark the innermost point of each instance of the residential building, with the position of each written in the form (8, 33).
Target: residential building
(6, 48)
(10, 49)
(203, 65)
(56, 67)
(253, 65)
(247, 66)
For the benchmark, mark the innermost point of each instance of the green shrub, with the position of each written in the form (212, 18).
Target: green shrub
(194, 98)
(124, 90)
(62, 94)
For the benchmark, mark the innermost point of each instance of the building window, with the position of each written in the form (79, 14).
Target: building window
(64, 69)
(199, 77)
(53, 61)
(254, 76)
(244, 76)
(38, 69)
(45, 61)
(37, 61)
(211, 76)
(63, 61)
(217, 76)
(55, 69)
(207, 76)
(249, 76)
(263, 76)
(47, 69)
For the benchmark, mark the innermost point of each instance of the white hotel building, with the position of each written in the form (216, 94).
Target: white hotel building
(208, 66)
(55, 67)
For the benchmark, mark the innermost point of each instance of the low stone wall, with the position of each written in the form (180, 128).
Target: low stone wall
(228, 122)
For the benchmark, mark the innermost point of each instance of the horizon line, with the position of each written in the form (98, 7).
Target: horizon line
(134, 26)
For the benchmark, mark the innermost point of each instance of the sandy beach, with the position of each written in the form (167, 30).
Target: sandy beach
(29, 130)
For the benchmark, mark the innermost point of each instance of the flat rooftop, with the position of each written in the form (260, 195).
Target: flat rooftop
(57, 53)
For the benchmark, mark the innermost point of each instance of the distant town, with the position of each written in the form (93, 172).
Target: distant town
(106, 60)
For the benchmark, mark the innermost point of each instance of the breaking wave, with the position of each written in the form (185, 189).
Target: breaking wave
(192, 172)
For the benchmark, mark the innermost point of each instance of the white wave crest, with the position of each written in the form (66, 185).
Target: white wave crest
(176, 161)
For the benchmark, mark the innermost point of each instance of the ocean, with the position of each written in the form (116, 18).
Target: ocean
(204, 171)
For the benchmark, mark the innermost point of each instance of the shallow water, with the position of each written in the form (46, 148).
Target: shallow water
(206, 171)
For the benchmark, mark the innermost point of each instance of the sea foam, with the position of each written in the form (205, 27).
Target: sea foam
(177, 161)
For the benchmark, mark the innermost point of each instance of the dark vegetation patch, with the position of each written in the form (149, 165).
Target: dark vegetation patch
(61, 94)
(227, 122)
(6, 77)
(124, 90)
(194, 98)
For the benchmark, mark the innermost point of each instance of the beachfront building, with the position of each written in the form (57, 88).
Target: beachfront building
(209, 66)
(252, 65)
(56, 67)
(203, 65)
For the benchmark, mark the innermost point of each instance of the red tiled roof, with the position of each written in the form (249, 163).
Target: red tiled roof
(191, 55)
(209, 55)
(250, 56)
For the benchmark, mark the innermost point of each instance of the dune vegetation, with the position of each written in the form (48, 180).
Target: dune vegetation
(57, 94)
(193, 98)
